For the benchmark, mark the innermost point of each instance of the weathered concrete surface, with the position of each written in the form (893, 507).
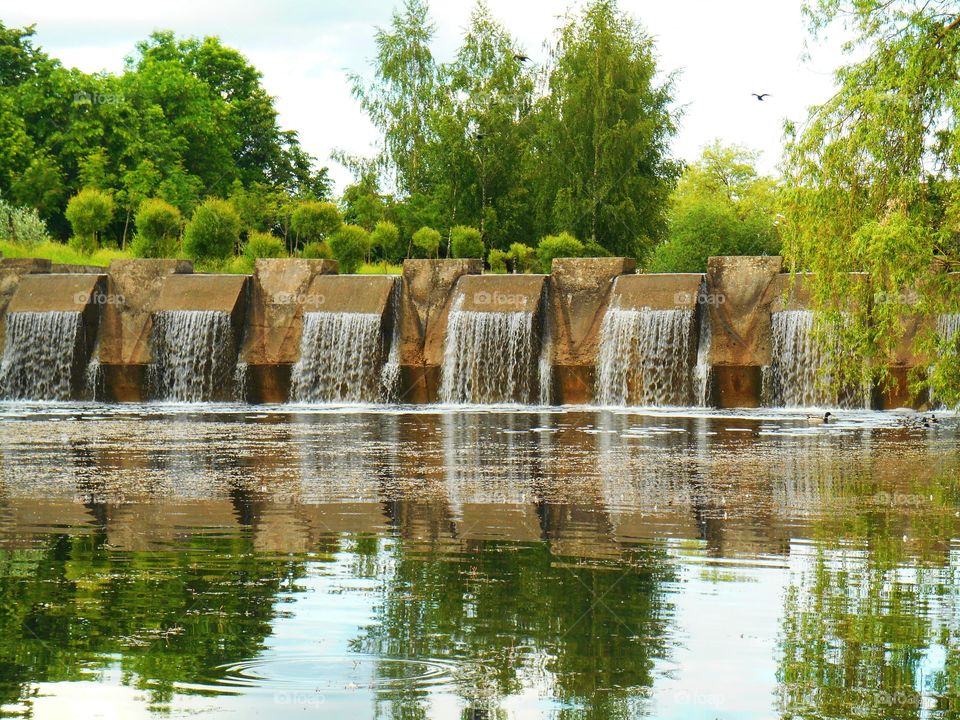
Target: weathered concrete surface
(500, 293)
(657, 291)
(11, 272)
(280, 292)
(578, 296)
(133, 288)
(790, 292)
(738, 298)
(68, 268)
(425, 303)
(367, 294)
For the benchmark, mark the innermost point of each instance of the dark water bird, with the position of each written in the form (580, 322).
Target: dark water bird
(760, 96)
(817, 420)
(520, 57)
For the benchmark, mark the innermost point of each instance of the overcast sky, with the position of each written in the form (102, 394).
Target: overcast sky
(724, 51)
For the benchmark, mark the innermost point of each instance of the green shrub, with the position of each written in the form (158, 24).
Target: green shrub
(264, 245)
(158, 227)
(386, 236)
(89, 212)
(523, 257)
(427, 240)
(213, 230)
(317, 251)
(349, 245)
(466, 242)
(497, 260)
(563, 245)
(314, 221)
(594, 249)
(22, 225)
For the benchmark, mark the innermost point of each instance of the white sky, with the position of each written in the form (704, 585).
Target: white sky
(723, 50)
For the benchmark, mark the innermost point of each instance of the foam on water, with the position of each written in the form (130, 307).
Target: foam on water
(41, 352)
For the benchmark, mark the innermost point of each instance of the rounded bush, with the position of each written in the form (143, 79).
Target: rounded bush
(89, 212)
(563, 245)
(497, 260)
(466, 242)
(213, 231)
(386, 236)
(594, 249)
(264, 245)
(158, 227)
(523, 257)
(349, 245)
(427, 240)
(317, 251)
(313, 221)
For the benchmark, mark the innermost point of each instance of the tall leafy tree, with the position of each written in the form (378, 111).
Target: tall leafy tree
(874, 188)
(602, 148)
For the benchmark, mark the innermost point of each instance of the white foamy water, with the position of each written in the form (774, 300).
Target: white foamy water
(341, 358)
(948, 326)
(489, 357)
(194, 356)
(40, 354)
(646, 357)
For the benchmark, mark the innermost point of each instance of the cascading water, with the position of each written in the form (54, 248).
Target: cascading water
(489, 357)
(390, 375)
(341, 357)
(41, 353)
(646, 357)
(794, 377)
(702, 370)
(948, 326)
(545, 364)
(194, 356)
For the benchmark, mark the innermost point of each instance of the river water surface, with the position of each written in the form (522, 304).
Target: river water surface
(238, 562)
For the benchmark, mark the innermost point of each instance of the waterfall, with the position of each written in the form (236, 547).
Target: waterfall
(702, 370)
(40, 355)
(390, 375)
(194, 356)
(948, 326)
(93, 380)
(545, 365)
(341, 355)
(646, 357)
(488, 357)
(794, 377)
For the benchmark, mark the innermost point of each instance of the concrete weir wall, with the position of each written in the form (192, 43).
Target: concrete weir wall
(735, 301)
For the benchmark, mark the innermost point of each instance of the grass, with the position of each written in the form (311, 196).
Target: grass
(60, 253)
(63, 254)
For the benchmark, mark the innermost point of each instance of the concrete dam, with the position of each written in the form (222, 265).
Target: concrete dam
(591, 332)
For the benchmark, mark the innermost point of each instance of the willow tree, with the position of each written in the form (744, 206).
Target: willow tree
(875, 189)
(602, 147)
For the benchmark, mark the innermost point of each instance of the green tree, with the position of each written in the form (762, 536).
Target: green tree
(89, 212)
(427, 240)
(873, 187)
(349, 246)
(497, 260)
(721, 206)
(523, 257)
(386, 237)
(601, 167)
(263, 245)
(314, 221)
(466, 242)
(563, 245)
(213, 231)
(158, 229)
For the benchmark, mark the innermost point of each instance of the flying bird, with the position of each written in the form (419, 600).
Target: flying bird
(761, 96)
(520, 57)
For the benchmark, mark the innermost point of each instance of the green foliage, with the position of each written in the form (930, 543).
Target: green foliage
(264, 245)
(22, 226)
(523, 257)
(317, 251)
(158, 229)
(213, 231)
(563, 245)
(466, 242)
(314, 221)
(497, 259)
(349, 246)
(88, 212)
(386, 237)
(427, 240)
(872, 186)
(592, 249)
